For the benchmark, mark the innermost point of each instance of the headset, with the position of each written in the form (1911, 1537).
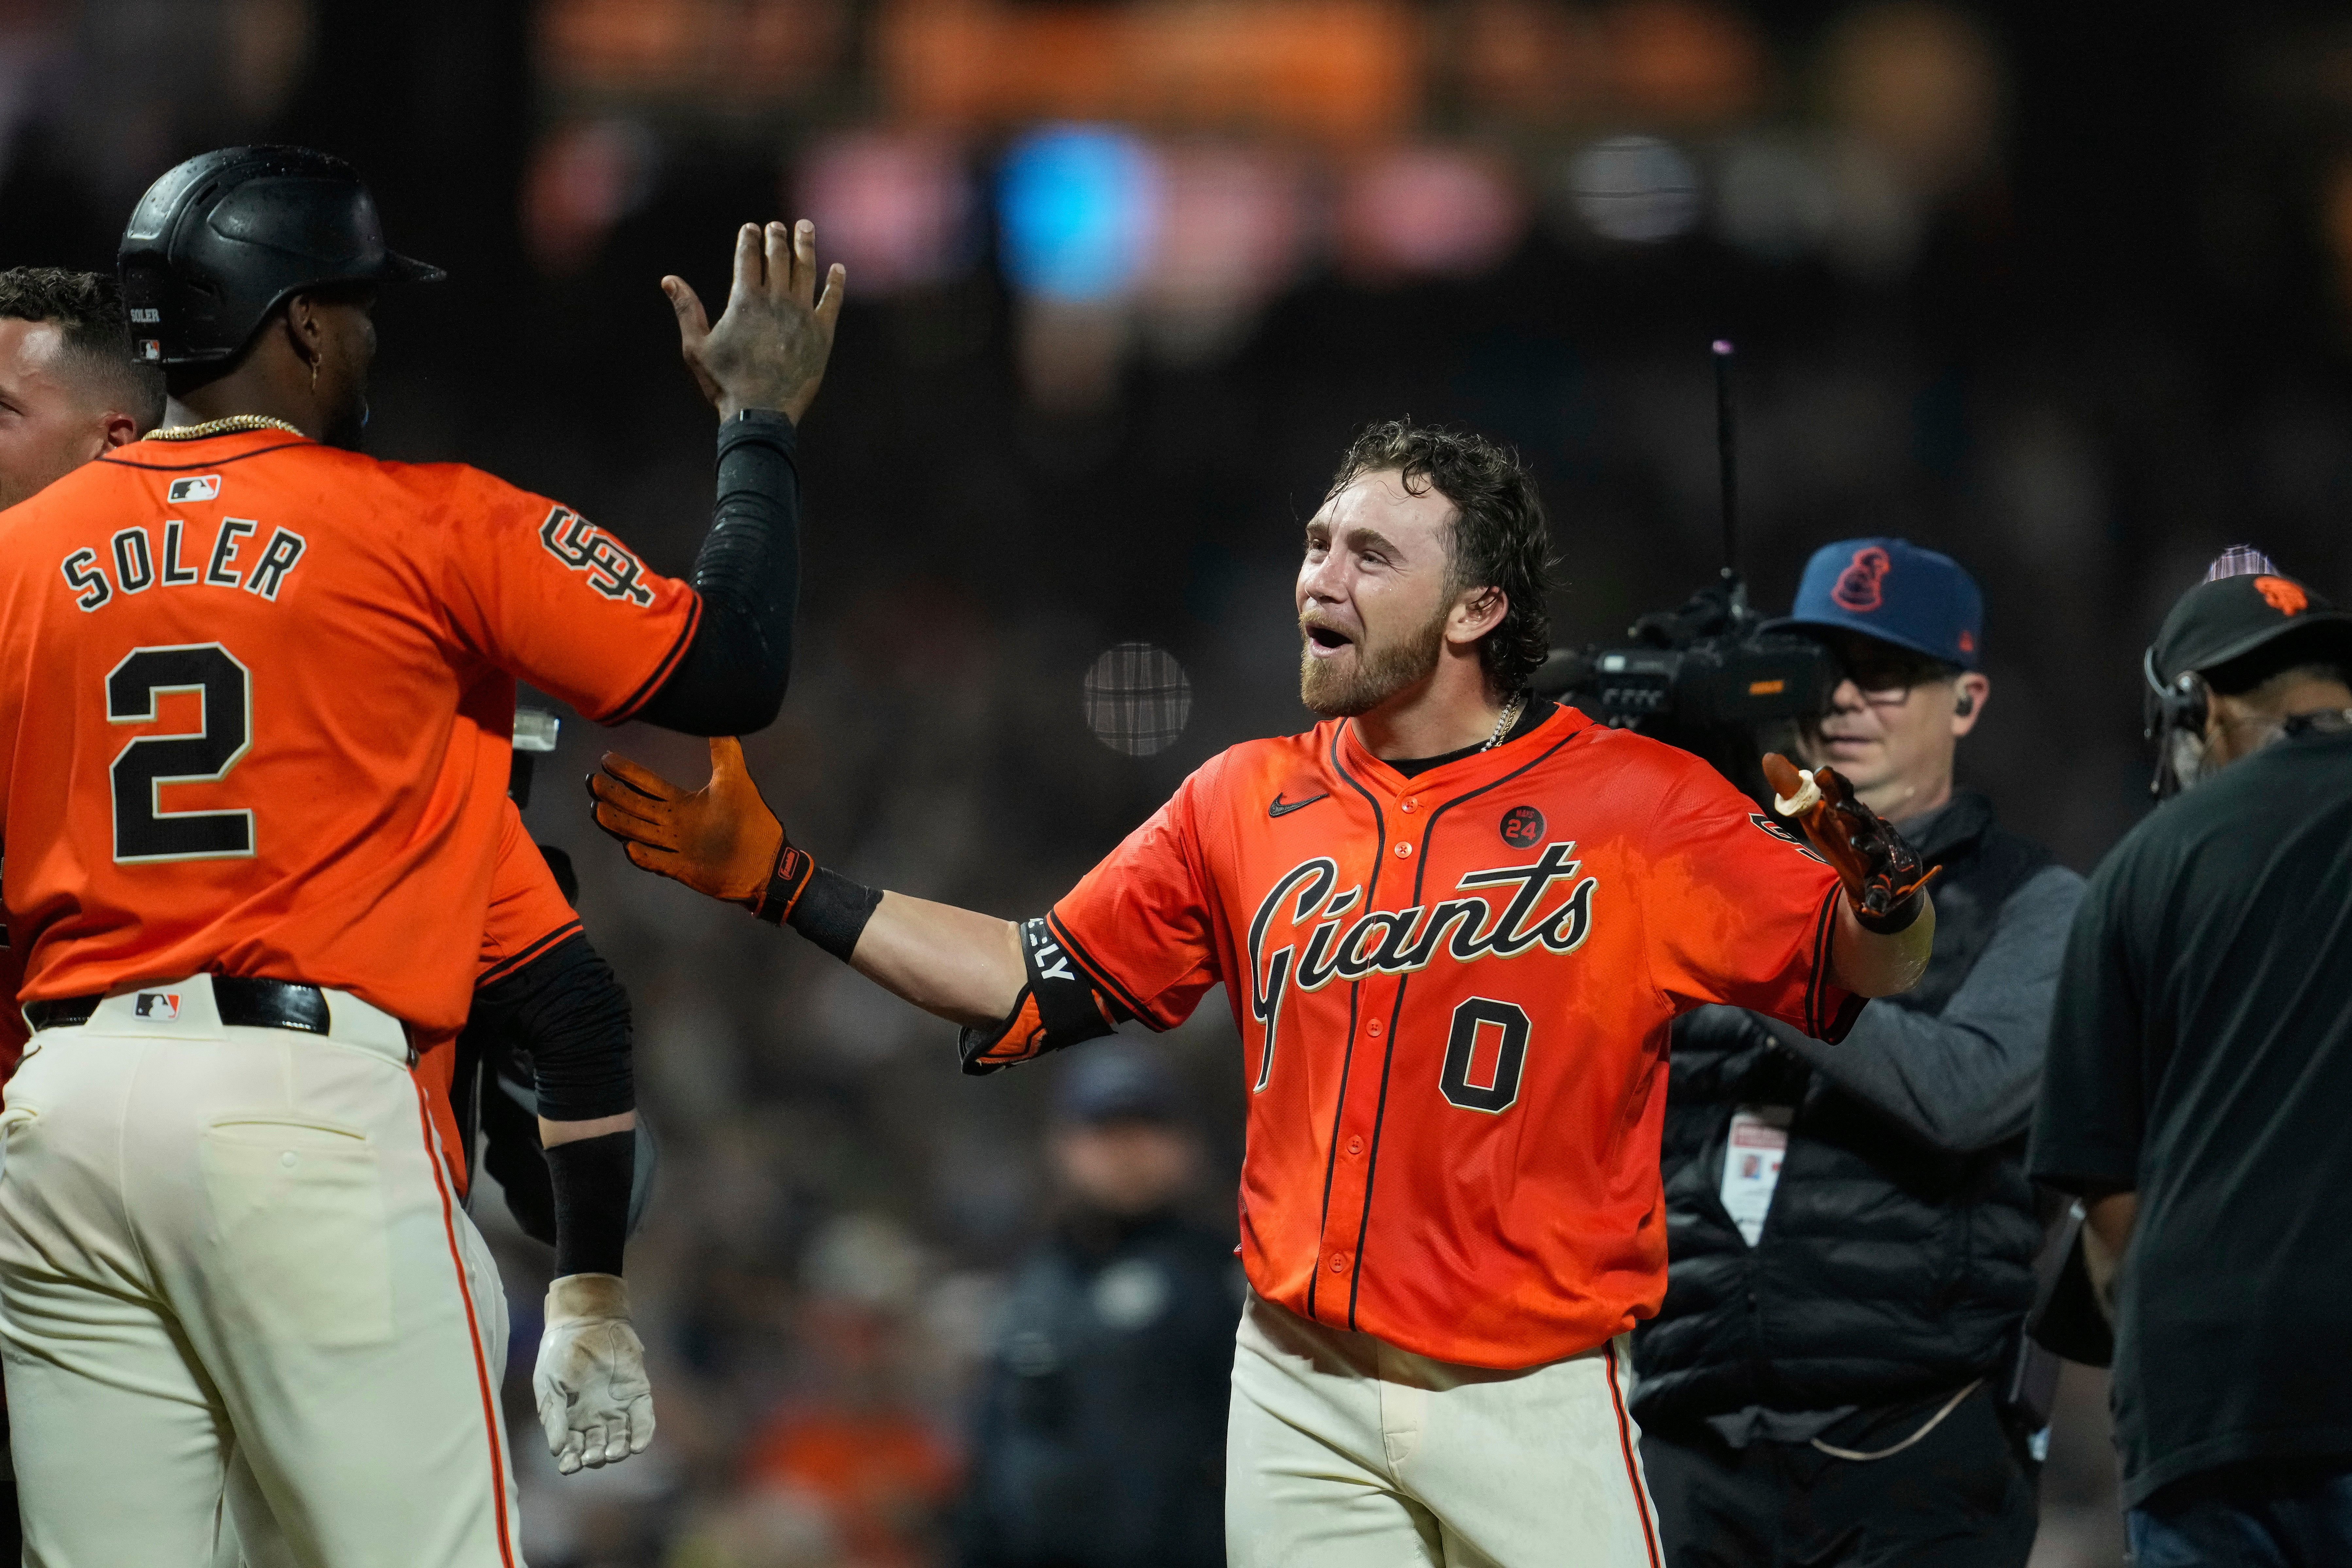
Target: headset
(2175, 723)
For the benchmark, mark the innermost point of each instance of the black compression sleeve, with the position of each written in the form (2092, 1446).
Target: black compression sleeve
(832, 911)
(732, 677)
(591, 1177)
(565, 1009)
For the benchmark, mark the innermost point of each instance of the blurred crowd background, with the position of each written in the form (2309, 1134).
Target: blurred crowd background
(2064, 291)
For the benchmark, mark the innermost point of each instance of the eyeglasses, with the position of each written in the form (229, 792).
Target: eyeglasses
(1886, 679)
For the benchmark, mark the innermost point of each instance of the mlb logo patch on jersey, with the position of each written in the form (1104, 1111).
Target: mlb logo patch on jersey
(202, 487)
(163, 1005)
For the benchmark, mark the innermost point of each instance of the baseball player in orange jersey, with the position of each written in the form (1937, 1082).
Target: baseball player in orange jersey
(1453, 924)
(69, 391)
(258, 705)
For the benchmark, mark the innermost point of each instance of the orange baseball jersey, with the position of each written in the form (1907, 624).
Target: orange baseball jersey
(1454, 993)
(528, 915)
(257, 703)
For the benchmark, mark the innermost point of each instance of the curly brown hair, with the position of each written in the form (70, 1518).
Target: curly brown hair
(87, 309)
(1500, 538)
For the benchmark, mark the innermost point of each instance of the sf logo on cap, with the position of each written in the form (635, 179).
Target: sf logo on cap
(2281, 596)
(1858, 585)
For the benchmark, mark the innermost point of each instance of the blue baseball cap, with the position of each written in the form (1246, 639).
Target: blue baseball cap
(1892, 590)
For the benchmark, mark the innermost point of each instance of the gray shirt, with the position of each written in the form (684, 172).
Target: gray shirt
(1960, 1079)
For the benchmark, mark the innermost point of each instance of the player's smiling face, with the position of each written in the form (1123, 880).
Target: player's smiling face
(1373, 593)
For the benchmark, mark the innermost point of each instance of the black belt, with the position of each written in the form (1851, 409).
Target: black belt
(246, 1004)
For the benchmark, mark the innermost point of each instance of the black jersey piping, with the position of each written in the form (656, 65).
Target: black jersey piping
(1824, 927)
(213, 463)
(1109, 982)
(1348, 1059)
(1380, 1108)
(508, 965)
(662, 671)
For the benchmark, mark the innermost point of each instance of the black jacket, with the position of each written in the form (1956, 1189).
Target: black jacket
(1099, 1440)
(1897, 1257)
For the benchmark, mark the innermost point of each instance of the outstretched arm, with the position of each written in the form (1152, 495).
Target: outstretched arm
(723, 840)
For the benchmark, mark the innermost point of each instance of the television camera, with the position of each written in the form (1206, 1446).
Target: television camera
(1705, 676)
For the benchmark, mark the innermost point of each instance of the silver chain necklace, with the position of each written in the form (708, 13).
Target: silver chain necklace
(1511, 712)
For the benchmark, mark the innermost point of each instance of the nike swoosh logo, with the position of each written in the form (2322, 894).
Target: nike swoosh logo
(1282, 807)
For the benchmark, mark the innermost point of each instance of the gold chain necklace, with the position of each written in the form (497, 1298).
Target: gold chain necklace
(235, 422)
(1511, 712)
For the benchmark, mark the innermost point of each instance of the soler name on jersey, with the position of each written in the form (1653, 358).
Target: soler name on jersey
(137, 561)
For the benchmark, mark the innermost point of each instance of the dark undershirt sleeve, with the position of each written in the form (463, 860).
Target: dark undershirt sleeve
(567, 1013)
(731, 679)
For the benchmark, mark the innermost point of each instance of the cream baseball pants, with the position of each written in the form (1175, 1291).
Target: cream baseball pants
(230, 1248)
(1343, 1451)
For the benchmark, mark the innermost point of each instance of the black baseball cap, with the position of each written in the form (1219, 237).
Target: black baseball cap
(1118, 1082)
(2227, 619)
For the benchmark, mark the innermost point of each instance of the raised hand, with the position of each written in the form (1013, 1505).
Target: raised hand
(1881, 872)
(720, 839)
(769, 348)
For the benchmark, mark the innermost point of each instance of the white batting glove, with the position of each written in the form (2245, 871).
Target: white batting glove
(594, 1398)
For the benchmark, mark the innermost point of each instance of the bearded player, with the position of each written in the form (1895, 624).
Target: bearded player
(1454, 923)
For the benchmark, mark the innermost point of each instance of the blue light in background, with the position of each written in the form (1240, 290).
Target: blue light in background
(1077, 206)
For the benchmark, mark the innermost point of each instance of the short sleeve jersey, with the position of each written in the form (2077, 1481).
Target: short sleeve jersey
(254, 702)
(1453, 992)
(2201, 1053)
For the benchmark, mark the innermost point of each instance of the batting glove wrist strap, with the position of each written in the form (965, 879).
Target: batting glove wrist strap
(785, 884)
(594, 1398)
(1901, 918)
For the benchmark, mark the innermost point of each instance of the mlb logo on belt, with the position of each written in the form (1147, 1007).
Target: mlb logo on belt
(203, 486)
(157, 1005)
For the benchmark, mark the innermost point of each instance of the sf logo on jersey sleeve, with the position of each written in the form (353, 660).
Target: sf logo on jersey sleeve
(582, 546)
(1785, 835)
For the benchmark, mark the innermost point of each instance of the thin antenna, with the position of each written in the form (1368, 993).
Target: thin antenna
(1727, 448)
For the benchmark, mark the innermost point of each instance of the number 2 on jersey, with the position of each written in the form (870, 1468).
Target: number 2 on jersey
(143, 830)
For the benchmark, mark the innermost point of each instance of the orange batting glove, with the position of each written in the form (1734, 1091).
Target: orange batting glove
(1880, 871)
(720, 839)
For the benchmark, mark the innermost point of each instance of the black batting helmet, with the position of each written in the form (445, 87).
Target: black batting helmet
(218, 243)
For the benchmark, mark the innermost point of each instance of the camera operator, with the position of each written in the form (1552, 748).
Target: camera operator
(2201, 1067)
(1853, 1237)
